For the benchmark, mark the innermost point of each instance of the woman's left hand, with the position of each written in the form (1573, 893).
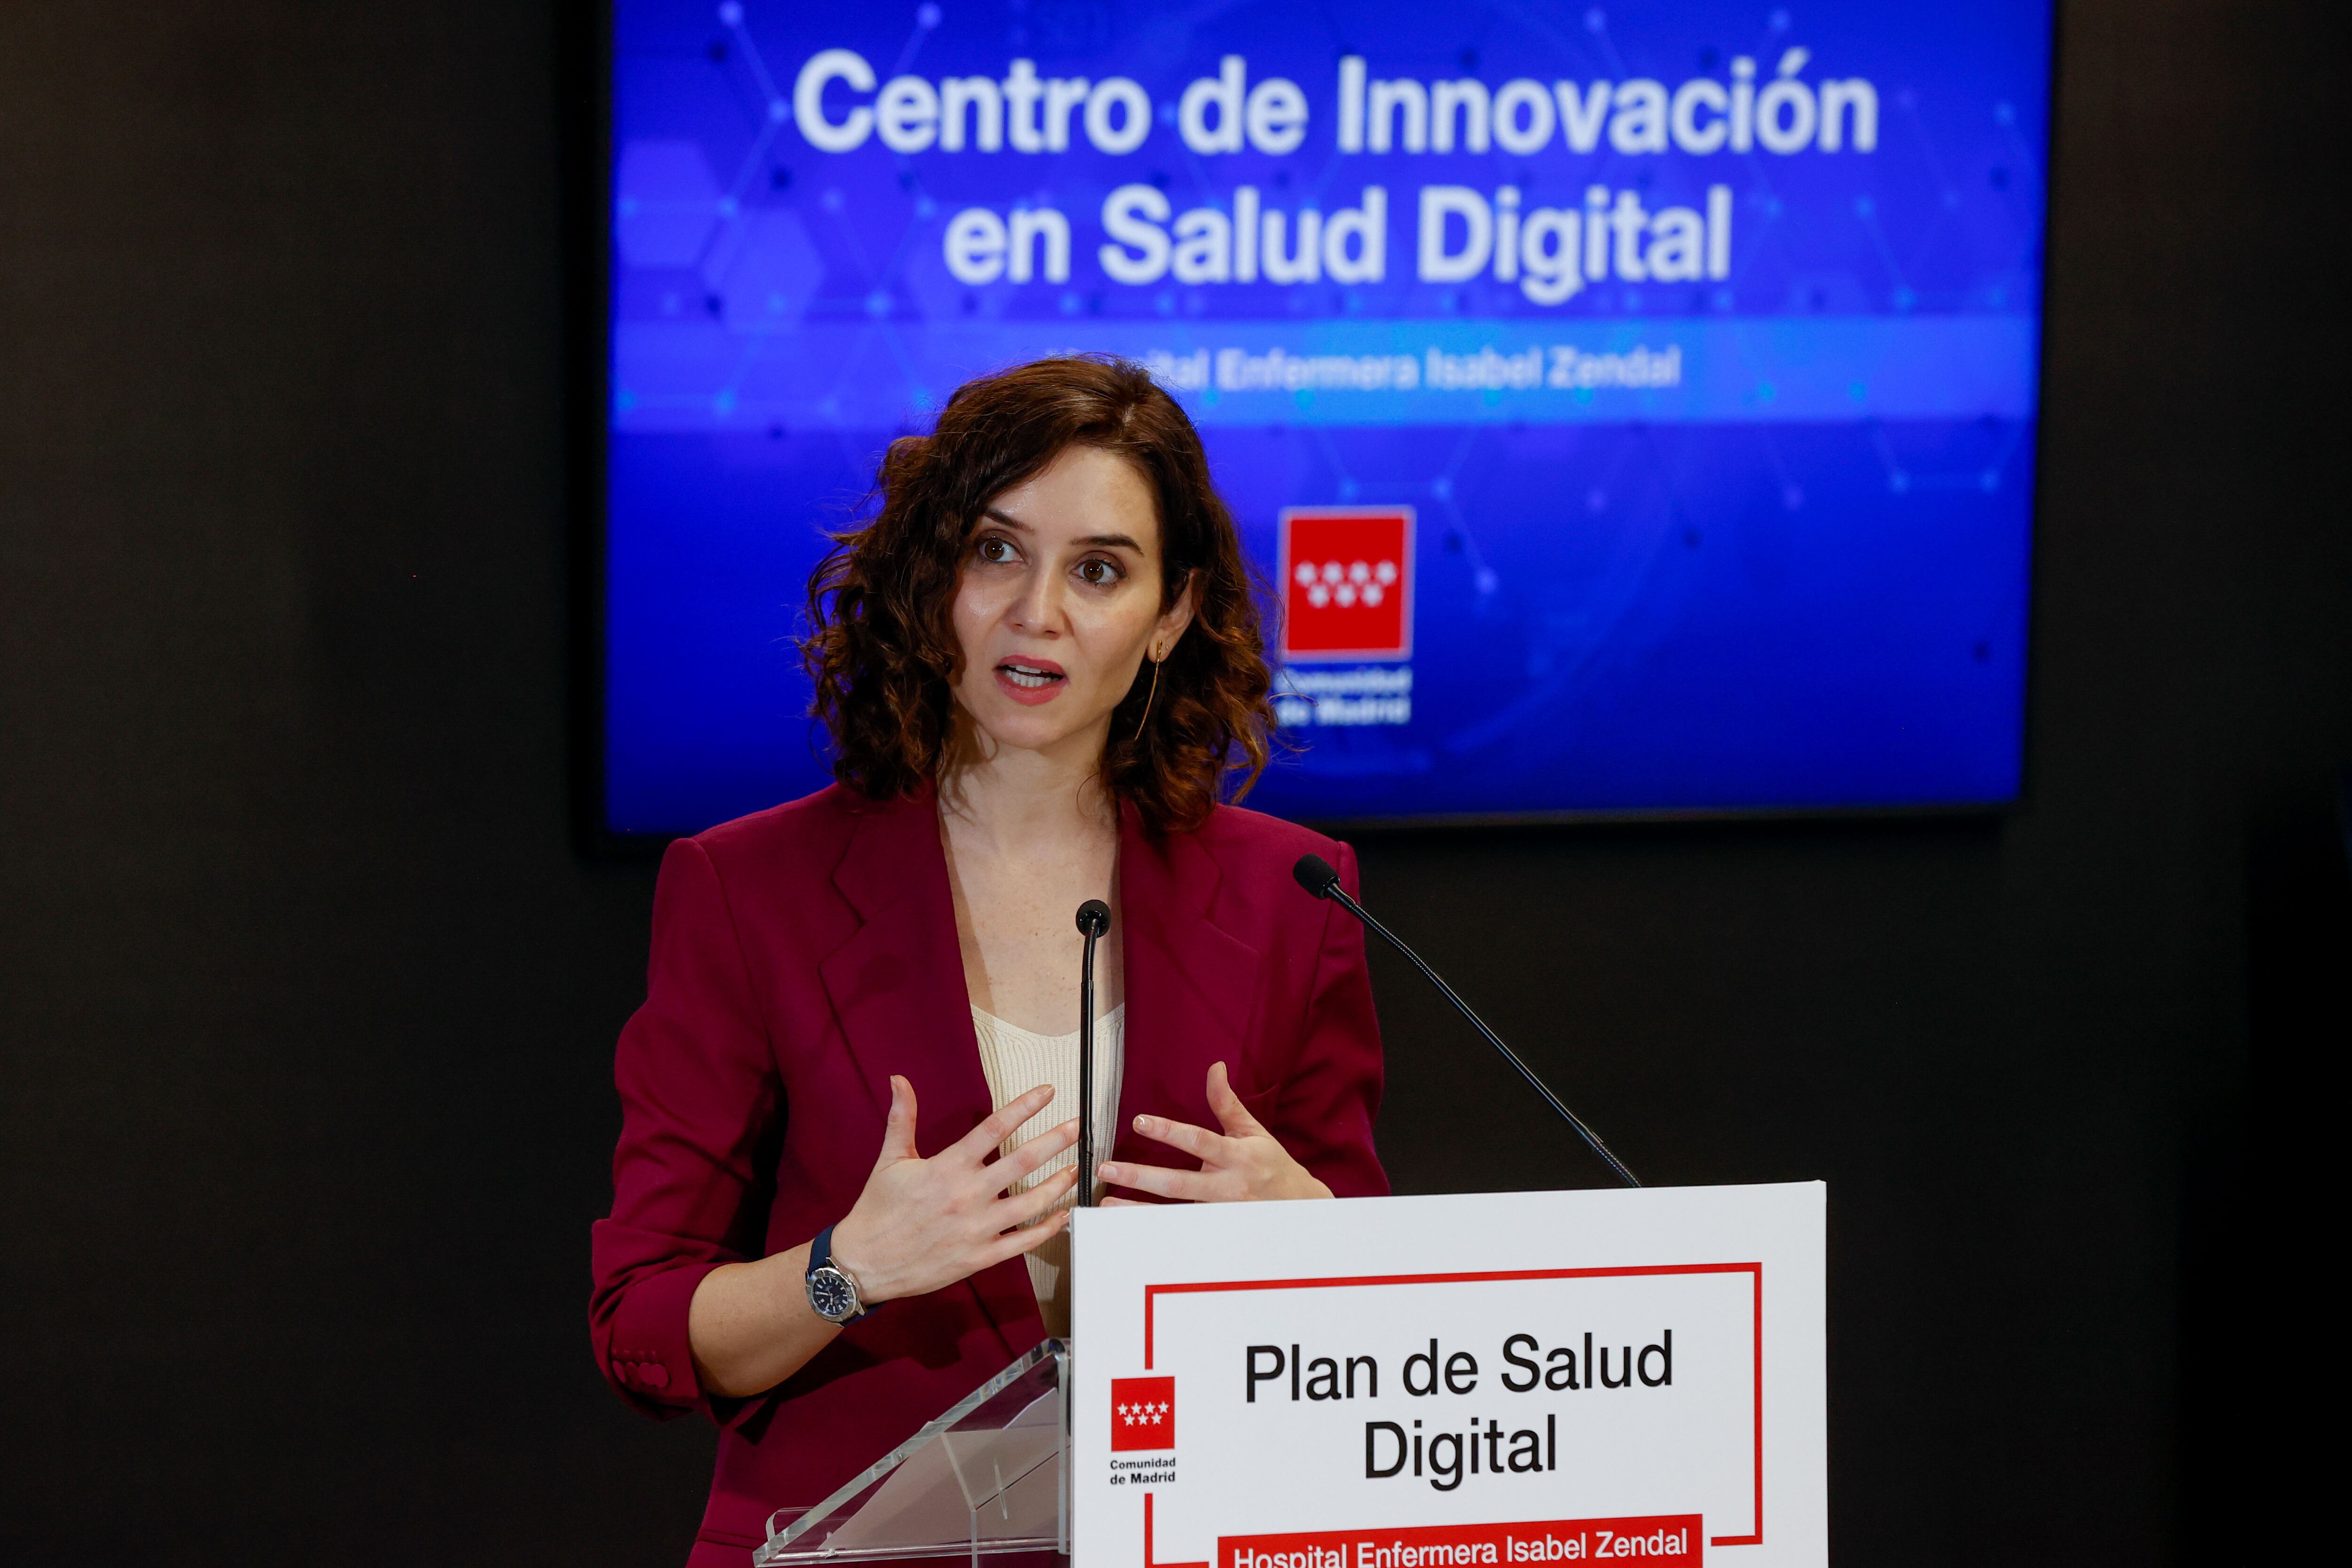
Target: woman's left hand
(1247, 1163)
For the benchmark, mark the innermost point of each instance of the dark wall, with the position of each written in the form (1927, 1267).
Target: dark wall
(305, 1003)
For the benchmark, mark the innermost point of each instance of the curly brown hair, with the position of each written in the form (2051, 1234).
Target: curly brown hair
(882, 652)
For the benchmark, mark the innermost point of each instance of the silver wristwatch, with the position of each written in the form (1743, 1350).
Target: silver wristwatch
(833, 1292)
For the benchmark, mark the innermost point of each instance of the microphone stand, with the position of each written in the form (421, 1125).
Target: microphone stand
(1094, 919)
(1315, 874)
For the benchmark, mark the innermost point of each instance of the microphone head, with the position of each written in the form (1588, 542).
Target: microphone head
(1315, 874)
(1094, 917)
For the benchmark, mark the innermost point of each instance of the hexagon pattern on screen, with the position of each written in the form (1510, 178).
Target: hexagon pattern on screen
(769, 274)
(665, 202)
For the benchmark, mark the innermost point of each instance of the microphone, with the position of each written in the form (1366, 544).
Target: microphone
(1094, 919)
(1315, 874)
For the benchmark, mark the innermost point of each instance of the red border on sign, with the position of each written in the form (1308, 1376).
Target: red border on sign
(1348, 655)
(1149, 1561)
(1152, 1293)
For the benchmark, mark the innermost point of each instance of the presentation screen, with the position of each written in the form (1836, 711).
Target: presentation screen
(1628, 408)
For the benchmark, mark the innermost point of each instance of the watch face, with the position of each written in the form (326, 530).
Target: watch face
(831, 1294)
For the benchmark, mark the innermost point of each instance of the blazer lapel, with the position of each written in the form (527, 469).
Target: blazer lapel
(897, 987)
(1192, 989)
(897, 991)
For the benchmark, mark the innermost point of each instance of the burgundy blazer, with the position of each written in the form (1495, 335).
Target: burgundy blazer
(802, 955)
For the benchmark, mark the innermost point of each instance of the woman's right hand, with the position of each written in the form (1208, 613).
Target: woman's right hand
(922, 1225)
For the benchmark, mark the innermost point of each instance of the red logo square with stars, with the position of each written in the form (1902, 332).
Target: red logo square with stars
(1347, 583)
(1142, 1414)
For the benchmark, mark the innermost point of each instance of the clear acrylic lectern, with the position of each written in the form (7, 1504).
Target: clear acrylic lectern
(990, 1476)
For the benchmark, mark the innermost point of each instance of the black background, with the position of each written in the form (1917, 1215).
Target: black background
(307, 1001)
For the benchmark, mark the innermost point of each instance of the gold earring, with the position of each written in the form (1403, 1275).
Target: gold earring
(1157, 658)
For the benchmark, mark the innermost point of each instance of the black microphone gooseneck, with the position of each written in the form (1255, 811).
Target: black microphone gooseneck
(1315, 874)
(1094, 919)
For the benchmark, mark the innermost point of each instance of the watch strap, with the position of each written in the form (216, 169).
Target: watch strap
(821, 1250)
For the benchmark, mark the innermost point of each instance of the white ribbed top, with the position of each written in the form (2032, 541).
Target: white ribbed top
(1017, 1060)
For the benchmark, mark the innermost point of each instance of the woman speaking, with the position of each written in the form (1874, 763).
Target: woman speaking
(846, 1159)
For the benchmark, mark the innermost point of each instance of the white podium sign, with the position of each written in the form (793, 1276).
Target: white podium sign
(1411, 1383)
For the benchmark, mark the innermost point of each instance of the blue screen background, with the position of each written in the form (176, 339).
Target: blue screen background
(1795, 579)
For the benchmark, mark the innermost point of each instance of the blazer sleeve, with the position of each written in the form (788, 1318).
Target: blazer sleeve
(699, 1098)
(1331, 1096)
